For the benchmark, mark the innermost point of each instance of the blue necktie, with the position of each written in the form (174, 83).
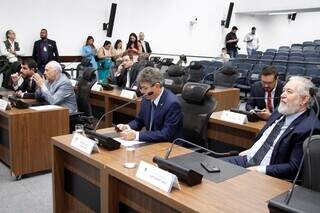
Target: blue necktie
(261, 153)
(153, 109)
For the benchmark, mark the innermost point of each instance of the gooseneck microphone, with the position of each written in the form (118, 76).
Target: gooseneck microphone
(313, 92)
(231, 153)
(119, 107)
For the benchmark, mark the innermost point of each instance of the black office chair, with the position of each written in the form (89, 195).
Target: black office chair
(85, 62)
(311, 174)
(175, 78)
(195, 72)
(83, 88)
(197, 108)
(226, 76)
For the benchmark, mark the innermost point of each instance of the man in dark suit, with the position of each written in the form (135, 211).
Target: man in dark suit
(28, 86)
(278, 147)
(160, 111)
(127, 72)
(265, 94)
(145, 45)
(44, 50)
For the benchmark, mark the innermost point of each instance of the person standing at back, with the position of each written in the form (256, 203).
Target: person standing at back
(10, 48)
(44, 50)
(252, 41)
(231, 42)
(145, 45)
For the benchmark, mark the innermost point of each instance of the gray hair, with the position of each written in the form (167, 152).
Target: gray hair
(304, 86)
(56, 66)
(150, 75)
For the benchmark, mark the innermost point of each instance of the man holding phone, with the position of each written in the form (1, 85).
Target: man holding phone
(126, 73)
(265, 94)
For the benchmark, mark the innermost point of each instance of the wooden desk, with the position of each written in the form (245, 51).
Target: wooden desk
(99, 182)
(227, 98)
(232, 133)
(24, 138)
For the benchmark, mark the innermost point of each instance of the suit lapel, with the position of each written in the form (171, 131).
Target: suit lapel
(290, 128)
(159, 106)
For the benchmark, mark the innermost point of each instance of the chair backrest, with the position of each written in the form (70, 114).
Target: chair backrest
(294, 70)
(196, 72)
(245, 66)
(175, 78)
(84, 85)
(225, 77)
(311, 174)
(197, 108)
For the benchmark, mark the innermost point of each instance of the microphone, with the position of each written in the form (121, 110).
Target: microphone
(119, 107)
(231, 153)
(313, 92)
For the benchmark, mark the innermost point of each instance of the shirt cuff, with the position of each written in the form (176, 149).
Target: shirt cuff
(262, 169)
(137, 136)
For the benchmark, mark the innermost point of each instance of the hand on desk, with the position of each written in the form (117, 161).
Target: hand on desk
(265, 114)
(128, 134)
(123, 127)
(19, 94)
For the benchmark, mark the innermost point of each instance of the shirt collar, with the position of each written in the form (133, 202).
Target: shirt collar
(292, 117)
(156, 101)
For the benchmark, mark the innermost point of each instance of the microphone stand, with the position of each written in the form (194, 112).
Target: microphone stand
(117, 108)
(231, 153)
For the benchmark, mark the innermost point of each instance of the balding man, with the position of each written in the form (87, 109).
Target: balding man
(278, 147)
(56, 88)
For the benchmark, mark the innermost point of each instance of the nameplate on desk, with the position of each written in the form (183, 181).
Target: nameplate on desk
(84, 144)
(234, 117)
(96, 87)
(128, 94)
(157, 177)
(3, 105)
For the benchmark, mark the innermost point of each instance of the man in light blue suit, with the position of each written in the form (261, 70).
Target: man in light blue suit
(160, 111)
(55, 88)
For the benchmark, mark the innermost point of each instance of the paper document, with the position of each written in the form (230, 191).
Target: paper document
(45, 107)
(126, 143)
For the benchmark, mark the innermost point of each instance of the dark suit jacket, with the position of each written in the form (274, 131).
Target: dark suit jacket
(25, 87)
(122, 78)
(52, 52)
(148, 48)
(287, 153)
(167, 122)
(258, 91)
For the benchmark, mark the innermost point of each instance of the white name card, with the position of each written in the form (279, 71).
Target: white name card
(84, 144)
(128, 94)
(157, 177)
(234, 117)
(96, 87)
(3, 105)
(168, 82)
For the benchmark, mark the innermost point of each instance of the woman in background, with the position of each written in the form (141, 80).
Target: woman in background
(134, 47)
(89, 51)
(117, 50)
(104, 64)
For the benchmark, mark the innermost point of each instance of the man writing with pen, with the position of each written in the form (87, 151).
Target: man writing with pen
(160, 112)
(265, 94)
(28, 86)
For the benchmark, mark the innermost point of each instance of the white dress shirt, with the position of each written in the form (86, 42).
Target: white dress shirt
(253, 150)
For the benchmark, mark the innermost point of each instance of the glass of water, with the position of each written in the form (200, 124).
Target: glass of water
(130, 158)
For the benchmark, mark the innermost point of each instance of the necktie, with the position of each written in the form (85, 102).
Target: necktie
(30, 85)
(128, 79)
(261, 153)
(269, 102)
(153, 109)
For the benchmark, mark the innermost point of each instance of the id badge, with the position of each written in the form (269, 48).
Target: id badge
(45, 49)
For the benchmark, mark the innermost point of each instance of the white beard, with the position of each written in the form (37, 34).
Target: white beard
(289, 109)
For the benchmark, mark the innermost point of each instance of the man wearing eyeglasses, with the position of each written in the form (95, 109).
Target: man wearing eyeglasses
(265, 95)
(160, 112)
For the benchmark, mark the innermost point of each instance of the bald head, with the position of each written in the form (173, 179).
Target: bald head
(52, 70)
